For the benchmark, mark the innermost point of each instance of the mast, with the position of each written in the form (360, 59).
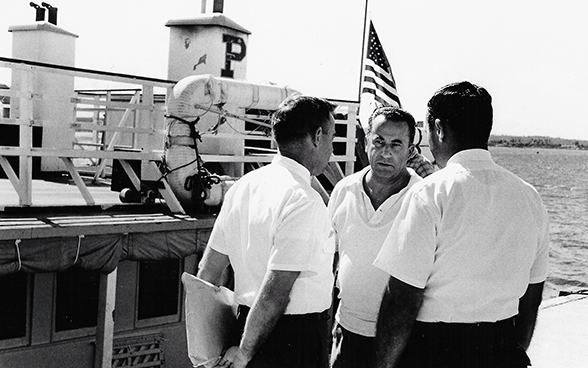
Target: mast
(363, 49)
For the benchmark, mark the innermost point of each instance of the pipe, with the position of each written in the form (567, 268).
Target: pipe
(40, 12)
(191, 93)
(52, 13)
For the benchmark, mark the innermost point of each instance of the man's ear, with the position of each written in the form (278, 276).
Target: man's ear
(440, 129)
(316, 139)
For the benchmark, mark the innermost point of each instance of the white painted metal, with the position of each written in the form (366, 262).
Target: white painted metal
(115, 136)
(105, 326)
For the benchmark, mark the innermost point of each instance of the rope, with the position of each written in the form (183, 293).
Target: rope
(78, 251)
(193, 122)
(16, 243)
(203, 178)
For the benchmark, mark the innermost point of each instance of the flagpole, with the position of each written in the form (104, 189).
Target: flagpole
(363, 49)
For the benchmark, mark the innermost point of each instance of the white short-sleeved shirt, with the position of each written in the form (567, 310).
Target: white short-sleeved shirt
(360, 231)
(272, 219)
(473, 236)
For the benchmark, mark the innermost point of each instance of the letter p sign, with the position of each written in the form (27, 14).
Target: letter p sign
(231, 54)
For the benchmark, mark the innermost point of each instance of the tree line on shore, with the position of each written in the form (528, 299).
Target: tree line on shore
(536, 141)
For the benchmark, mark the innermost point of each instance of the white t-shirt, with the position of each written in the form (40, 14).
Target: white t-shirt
(272, 219)
(473, 236)
(360, 231)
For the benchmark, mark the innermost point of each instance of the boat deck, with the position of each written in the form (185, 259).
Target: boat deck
(60, 211)
(57, 193)
(561, 334)
(64, 231)
(49, 222)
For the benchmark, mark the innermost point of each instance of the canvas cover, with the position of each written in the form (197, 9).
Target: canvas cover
(93, 252)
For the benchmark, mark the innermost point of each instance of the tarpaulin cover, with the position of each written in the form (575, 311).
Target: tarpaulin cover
(93, 252)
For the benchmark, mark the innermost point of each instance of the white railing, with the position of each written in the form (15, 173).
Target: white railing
(104, 120)
(149, 131)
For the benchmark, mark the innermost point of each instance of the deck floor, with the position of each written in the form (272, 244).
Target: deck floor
(60, 210)
(51, 193)
(561, 335)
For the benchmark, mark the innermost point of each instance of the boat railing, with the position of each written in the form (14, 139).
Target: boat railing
(94, 127)
(29, 102)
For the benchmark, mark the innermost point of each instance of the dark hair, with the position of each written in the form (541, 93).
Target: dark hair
(466, 109)
(395, 114)
(297, 116)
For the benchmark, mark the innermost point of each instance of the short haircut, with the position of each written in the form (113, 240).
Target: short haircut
(466, 109)
(298, 116)
(395, 114)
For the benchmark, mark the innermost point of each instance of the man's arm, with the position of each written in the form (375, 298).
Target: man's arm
(398, 311)
(268, 308)
(212, 266)
(527, 317)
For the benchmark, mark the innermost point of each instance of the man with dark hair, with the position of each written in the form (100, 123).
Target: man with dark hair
(274, 230)
(362, 207)
(468, 253)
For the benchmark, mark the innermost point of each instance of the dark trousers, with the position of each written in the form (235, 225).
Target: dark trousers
(351, 350)
(295, 342)
(456, 345)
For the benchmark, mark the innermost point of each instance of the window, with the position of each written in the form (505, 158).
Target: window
(13, 305)
(76, 299)
(159, 289)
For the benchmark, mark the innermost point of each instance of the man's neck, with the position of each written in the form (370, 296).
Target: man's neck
(298, 156)
(443, 162)
(379, 190)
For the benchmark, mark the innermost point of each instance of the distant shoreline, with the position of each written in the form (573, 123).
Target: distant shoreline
(536, 142)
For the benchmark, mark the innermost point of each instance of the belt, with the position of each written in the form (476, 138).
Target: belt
(505, 322)
(505, 326)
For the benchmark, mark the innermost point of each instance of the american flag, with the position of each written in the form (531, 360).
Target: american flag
(378, 87)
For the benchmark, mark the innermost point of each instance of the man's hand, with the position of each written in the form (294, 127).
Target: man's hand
(233, 358)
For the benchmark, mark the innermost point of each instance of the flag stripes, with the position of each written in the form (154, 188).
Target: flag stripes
(378, 80)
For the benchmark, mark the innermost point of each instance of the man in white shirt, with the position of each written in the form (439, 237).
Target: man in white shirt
(362, 207)
(274, 230)
(468, 253)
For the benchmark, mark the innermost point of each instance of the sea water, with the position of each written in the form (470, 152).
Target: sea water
(561, 178)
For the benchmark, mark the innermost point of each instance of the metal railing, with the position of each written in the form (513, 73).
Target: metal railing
(25, 97)
(104, 120)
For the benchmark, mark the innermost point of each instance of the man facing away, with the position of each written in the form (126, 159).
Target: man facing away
(274, 230)
(362, 207)
(467, 254)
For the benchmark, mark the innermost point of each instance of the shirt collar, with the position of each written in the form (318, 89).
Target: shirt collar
(414, 177)
(470, 155)
(292, 166)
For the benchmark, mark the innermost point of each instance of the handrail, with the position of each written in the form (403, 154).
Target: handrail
(145, 130)
(89, 72)
(100, 117)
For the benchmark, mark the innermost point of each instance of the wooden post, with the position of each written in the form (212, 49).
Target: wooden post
(351, 138)
(25, 112)
(147, 142)
(105, 325)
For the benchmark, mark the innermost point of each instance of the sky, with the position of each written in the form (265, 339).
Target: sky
(532, 56)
